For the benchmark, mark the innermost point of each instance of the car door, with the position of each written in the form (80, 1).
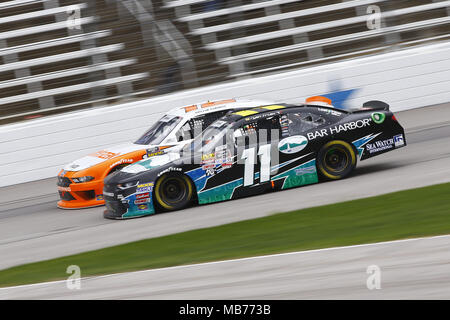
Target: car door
(257, 153)
(239, 164)
(296, 166)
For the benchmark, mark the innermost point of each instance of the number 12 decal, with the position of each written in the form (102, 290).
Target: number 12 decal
(249, 165)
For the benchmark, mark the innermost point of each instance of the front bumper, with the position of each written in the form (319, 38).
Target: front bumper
(115, 209)
(79, 195)
(126, 204)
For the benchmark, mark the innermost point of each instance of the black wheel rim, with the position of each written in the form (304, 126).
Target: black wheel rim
(336, 160)
(173, 190)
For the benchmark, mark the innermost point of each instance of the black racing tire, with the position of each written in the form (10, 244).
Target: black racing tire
(336, 160)
(173, 191)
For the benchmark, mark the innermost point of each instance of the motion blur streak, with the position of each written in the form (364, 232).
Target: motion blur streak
(33, 229)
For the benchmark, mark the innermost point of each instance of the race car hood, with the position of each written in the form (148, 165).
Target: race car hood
(151, 163)
(103, 155)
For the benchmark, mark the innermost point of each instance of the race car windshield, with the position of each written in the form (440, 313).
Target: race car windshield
(159, 131)
(210, 137)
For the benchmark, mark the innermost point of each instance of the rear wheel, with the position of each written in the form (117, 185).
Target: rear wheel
(336, 160)
(173, 191)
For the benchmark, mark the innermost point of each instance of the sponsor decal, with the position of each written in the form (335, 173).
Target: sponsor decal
(253, 115)
(329, 111)
(304, 170)
(143, 207)
(399, 141)
(208, 166)
(121, 161)
(143, 195)
(227, 165)
(149, 184)
(215, 103)
(108, 194)
(169, 170)
(317, 134)
(141, 201)
(292, 144)
(349, 126)
(100, 197)
(284, 124)
(273, 107)
(378, 117)
(379, 146)
(103, 154)
(208, 161)
(221, 156)
(190, 108)
(209, 104)
(208, 156)
(144, 189)
(155, 151)
(152, 154)
(361, 143)
(64, 189)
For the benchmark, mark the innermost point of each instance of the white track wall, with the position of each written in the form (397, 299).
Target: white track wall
(407, 79)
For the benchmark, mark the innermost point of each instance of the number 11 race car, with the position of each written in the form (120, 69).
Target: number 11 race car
(80, 183)
(248, 152)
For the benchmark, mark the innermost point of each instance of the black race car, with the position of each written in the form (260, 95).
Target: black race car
(249, 152)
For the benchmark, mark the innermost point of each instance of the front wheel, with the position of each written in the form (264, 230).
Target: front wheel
(336, 160)
(173, 191)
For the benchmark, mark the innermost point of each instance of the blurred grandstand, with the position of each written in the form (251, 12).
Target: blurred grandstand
(64, 55)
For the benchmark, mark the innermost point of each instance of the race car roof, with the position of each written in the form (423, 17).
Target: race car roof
(268, 109)
(237, 115)
(194, 110)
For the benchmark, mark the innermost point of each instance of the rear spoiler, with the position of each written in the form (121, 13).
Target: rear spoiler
(374, 105)
(323, 102)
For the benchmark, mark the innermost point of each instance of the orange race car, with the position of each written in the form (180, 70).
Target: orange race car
(80, 183)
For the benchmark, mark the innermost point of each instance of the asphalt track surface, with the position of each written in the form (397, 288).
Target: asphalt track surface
(32, 228)
(409, 269)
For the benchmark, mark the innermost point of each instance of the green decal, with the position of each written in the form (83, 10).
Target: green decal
(299, 176)
(378, 117)
(219, 193)
(287, 146)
